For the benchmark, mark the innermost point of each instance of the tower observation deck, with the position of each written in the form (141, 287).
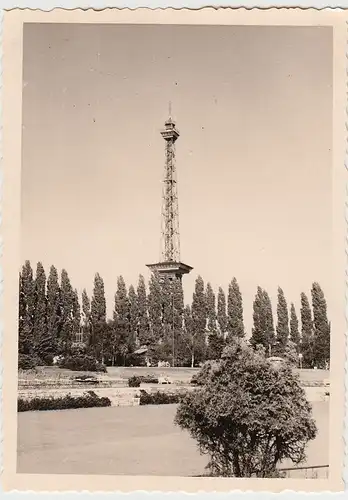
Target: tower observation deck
(170, 264)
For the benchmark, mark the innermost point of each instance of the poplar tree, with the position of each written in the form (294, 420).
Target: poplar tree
(53, 307)
(283, 331)
(307, 332)
(98, 317)
(189, 336)
(199, 319)
(215, 337)
(133, 317)
(121, 319)
(86, 316)
(42, 344)
(294, 327)
(121, 311)
(321, 345)
(211, 309)
(263, 327)
(155, 309)
(143, 327)
(178, 322)
(66, 315)
(76, 313)
(26, 310)
(235, 321)
(221, 311)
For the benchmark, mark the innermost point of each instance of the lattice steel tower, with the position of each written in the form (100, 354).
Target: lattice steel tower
(170, 263)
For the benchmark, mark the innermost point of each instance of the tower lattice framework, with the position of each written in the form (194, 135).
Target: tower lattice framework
(170, 204)
(170, 263)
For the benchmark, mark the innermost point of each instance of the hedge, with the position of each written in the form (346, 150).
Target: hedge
(82, 363)
(159, 398)
(88, 400)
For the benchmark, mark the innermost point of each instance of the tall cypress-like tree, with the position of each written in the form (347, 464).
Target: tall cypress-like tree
(263, 329)
(235, 321)
(211, 309)
(307, 332)
(215, 337)
(133, 317)
(321, 347)
(26, 310)
(143, 328)
(86, 316)
(269, 325)
(98, 317)
(199, 319)
(155, 308)
(294, 328)
(178, 322)
(282, 321)
(76, 313)
(189, 336)
(41, 344)
(66, 315)
(53, 309)
(221, 311)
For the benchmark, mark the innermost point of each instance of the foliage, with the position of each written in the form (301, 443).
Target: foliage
(307, 332)
(53, 308)
(294, 329)
(86, 316)
(211, 309)
(133, 318)
(66, 314)
(221, 311)
(248, 415)
(88, 400)
(159, 398)
(134, 381)
(235, 321)
(98, 318)
(155, 309)
(26, 310)
(26, 361)
(143, 327)
(82, 363)
(282, 320)
(321, 344)
(199, 319)
(263, 329)
(42, 339)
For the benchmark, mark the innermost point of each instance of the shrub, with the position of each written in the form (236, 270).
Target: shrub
(134, 381)
(88, 400)
(82, 363)
(159, 398)
(248, 415)
(26, 362)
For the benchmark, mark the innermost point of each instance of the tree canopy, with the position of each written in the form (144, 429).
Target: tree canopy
(248, 415)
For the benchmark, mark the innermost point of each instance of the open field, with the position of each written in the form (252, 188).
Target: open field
(126, 440)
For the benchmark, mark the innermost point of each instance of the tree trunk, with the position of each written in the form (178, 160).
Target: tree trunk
(192, 360)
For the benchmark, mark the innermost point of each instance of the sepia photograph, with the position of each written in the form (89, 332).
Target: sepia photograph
(175, 286)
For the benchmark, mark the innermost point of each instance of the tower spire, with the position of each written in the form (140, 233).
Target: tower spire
(170, 264)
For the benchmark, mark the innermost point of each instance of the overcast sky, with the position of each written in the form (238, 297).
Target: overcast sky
(253, 106)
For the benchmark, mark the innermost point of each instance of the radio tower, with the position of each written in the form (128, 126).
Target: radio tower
(170, 264)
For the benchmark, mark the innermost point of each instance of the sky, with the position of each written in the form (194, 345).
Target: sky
(253, 105)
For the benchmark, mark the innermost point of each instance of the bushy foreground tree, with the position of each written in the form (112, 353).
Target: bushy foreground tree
(248, 415)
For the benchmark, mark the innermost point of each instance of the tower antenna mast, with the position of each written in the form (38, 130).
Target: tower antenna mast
(170, 263)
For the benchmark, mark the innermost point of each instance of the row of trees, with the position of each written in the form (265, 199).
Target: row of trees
(52, 318)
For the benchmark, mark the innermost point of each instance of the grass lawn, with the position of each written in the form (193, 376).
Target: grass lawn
(123, 440)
